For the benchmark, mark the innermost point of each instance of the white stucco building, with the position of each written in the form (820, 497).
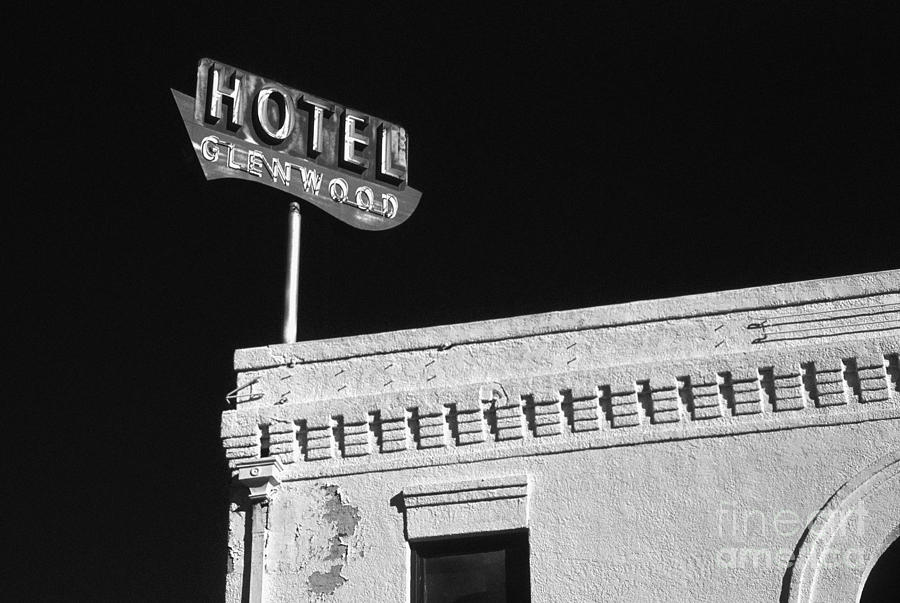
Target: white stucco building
(734, 446)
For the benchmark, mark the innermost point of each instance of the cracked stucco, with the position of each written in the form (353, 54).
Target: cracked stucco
(343, 519)
(313, 540)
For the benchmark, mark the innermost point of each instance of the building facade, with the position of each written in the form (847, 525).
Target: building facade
(734, 446)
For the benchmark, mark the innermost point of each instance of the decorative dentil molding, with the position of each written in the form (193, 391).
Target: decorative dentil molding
(572, 410)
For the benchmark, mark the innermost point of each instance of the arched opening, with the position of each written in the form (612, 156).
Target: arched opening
(883, 583)
(851, 535)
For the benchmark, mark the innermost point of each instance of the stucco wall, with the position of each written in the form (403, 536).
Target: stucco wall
(714, 519)
(661, 450)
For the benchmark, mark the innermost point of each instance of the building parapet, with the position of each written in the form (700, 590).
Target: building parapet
(569, 411)
(784, 357)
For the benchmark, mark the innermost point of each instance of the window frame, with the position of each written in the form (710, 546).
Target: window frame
(515, 543)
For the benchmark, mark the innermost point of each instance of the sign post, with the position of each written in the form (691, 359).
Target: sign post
(352, 165)
(292, 284)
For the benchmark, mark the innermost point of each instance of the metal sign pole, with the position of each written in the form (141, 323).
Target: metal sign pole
(362, 158)
(292, 282)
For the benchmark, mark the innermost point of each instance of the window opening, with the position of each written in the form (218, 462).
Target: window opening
(477, 569)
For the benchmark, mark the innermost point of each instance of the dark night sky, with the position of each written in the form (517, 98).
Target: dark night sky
(566, 159)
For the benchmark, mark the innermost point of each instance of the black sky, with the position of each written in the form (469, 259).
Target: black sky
(566, 158)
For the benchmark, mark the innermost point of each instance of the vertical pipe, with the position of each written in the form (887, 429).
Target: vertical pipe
(260, 510)
(292, 283)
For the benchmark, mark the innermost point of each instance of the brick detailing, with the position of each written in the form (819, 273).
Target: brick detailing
(282, 435)
(458, 417)
(743, 391)
(390, 429)
(240, 436)
(870, 379)
(241, 447)
(544, 413)
(467, 423)
(624, 406)
(316, 436)
(582, 408)
(662, 402)
(785, 388)
(429, 426)
(353, 434)
(504, 414)
(701, 395)
(824, 381)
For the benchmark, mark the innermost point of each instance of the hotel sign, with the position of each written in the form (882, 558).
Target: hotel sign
(350, 164)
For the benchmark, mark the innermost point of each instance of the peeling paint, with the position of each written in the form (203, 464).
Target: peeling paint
(325, 584)
(344, 519)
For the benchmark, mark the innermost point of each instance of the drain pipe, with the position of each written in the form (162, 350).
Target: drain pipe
(260, 476)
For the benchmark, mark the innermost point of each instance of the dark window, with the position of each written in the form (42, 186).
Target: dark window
(883, 583)
(477, 569)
